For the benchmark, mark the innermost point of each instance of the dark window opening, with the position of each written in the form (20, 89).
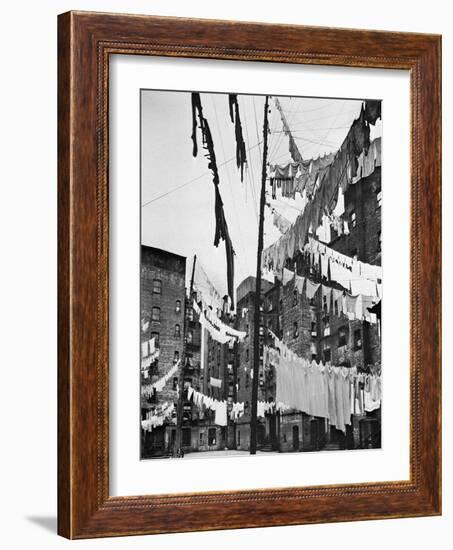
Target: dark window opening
(357, 339)
(155, 335)
(186, 437)
(342, 336)
(211, 436)
(157, 286)
(155, 314)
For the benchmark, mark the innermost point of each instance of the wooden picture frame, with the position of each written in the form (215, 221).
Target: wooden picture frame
(85, 42)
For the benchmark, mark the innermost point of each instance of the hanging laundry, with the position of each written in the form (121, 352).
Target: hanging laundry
(366, 287)
(287, 276)
(281, 223)
(299, 283)
(311, 289)
(152, 346)
(372, 110)
(148, 389)
(318, 390)
(241, 157)
(145, 349)
(220, 409)
(351, 306)
(221, 230)
(325, 267)
(293, 149)
(323, 188)
(215, 382)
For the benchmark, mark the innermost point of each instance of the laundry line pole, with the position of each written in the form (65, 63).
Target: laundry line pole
(257, 312)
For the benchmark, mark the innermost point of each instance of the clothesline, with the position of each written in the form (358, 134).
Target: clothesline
(342, 172)
(149, 389)
(158, 416)
(238, 408)
(360, 269)
(149, 354)
(219, 331)
(355, 307)
(324, 391)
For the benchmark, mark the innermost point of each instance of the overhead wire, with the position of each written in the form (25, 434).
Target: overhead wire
(192, 180)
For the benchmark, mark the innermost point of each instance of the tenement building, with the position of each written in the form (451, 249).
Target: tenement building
(162, 318)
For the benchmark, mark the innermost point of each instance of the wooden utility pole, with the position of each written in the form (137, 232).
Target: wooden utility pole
(257, 312)
(180, 406)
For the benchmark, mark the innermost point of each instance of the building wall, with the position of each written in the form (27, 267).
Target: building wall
(170, 270)
(364, 236)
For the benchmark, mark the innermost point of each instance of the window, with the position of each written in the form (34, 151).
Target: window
(157, 286)
(239, 437)
(353, 219)
(326, 321)
(342, 336)
(155, 314)
(186, 437)
(177, 331)
(155, 335)
(313, 328)
(357, 339)
(190, 313)
(247, 380)
(178, 306)
(211, 436)
(176, 357)
(175, 383)
(201, 438)
(247, 354)
(379, 198)
(189, 336)
(246, 407)
(296, 330)
(295, 298)
(326, 354)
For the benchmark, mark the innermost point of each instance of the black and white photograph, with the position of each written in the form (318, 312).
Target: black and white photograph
(261, 276)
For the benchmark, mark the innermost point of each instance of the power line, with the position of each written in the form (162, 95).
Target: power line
(194, 179)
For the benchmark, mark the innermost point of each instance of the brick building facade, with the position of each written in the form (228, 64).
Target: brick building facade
(162, 299)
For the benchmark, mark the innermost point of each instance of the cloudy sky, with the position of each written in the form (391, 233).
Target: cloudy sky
(177, 191)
